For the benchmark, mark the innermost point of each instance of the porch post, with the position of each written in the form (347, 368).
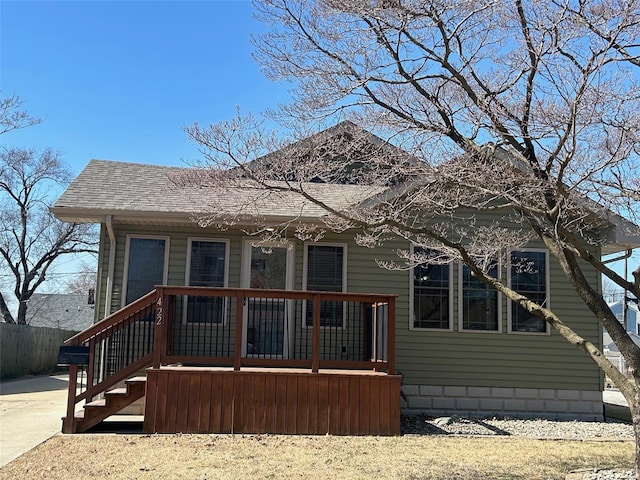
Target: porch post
(69, 419)
(239, 327)
(159, 328)
(391, 336)
(315, 342)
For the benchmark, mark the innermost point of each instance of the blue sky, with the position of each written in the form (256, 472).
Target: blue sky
(118, 80)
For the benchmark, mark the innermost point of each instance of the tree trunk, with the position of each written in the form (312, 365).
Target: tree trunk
(634, 407)
(21, 318)
(5, 314)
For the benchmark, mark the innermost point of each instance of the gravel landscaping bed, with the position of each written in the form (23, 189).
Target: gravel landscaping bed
(544, 429)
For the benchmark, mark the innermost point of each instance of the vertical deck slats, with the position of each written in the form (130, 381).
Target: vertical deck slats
(259, 404)
(364, 413)
(313, 397)
(173, 387)
(238, 405)
(354, 399)
(196, 403)
(302, 424)
(323, 405)
(249, 417)
(374, 405)
(205, 404)
(225, 401)
(270, 403)
(215, 406)
(183, 402)
(281, 399)
(335, 406)
(345, 404)
(292, 399)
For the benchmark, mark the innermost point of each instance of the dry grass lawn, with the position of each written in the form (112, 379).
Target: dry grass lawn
(200, 457)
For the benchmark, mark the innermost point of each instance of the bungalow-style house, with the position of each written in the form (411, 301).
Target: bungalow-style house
(218, 334)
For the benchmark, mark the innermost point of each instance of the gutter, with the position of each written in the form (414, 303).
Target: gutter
(626, 255)
(112, 264)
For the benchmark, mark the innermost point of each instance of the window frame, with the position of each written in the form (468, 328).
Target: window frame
(547, 280)
(305, 271)
(127, 254)
(461, 328)
(412, 300)
(187, 280)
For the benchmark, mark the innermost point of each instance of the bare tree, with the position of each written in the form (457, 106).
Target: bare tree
(83, 281)
(611, 292)
(12, 117)
(526, 108)
(31, 239)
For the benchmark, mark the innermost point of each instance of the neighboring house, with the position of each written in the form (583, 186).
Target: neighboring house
(459, 347)
(633, 315)
(65, 311)
(633, 329)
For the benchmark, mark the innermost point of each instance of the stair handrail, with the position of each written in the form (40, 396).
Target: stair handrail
(113, 319)
(110, 322)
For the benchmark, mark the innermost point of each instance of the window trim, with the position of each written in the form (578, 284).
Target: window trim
(547, 280)
(187, 280)
(461, 328)
(412, 301)
(305, 257)
(127, 253)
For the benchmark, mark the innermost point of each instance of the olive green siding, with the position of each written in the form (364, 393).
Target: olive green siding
(423, 357)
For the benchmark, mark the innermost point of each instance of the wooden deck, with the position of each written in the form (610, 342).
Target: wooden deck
(278, 401)
(330, 379)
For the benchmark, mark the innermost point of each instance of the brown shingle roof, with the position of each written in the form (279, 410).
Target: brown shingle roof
(142, 190)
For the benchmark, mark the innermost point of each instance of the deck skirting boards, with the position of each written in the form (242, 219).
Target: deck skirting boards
(201, 400)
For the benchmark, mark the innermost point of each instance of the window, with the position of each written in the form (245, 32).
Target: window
(146, 260)
(325, 272)
(206, 267)
(479, 303)
(529, 276)
(431, 295)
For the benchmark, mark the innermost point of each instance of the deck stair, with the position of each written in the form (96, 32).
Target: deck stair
(113, 402)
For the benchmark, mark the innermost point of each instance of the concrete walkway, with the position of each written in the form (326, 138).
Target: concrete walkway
(615, 405)
(31, 412)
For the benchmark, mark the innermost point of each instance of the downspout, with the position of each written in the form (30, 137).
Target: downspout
(112, 265)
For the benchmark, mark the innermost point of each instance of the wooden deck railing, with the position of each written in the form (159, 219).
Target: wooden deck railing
(236, 328)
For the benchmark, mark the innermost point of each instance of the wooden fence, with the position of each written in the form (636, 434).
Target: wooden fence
(26, 350)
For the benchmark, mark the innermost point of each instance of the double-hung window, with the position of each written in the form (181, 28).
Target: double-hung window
(206, 267)
(529, 276)
(326, 272)
(431, 284)
(479, 305)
